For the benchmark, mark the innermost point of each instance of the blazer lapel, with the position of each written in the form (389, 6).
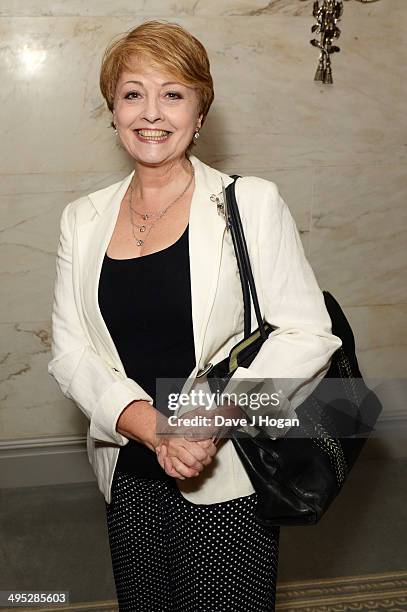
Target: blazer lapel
(206, 231)
(93, 240)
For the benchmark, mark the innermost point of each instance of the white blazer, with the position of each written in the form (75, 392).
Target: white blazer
(86, 364)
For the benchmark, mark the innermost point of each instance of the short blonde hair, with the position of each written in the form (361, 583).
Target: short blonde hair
(167, 47)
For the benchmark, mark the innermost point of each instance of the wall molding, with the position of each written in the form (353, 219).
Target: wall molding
(49, 441)
(52, 460)
(385, 591)
(34, 462)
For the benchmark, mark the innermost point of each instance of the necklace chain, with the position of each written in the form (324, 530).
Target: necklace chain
(145, 216)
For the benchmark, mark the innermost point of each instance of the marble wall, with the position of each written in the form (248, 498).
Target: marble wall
(338, 154)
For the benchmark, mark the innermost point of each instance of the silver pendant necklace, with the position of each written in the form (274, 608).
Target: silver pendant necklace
(146, 216)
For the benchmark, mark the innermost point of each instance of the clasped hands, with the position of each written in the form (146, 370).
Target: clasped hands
(184, 451)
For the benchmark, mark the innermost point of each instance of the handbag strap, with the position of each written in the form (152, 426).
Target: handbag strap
(242, 256)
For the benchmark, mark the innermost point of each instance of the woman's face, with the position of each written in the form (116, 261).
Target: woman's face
(148, 99)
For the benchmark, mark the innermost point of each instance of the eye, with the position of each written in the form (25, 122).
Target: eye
(174, 93)
(130, 93)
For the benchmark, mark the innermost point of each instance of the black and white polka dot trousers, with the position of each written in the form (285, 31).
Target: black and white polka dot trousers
(169, 555)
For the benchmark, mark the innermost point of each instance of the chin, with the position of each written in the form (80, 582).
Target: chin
(156, 156)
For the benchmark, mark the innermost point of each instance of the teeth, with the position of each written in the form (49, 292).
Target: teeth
(153, 133)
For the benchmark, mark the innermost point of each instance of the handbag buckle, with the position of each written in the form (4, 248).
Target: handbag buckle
(204, 370)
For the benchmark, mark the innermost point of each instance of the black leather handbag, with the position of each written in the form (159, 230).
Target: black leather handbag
(297, 476)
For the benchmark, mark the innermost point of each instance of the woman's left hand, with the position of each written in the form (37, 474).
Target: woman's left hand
(167, 463)
(203, 437)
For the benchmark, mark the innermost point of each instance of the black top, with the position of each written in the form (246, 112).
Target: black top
(146, 304)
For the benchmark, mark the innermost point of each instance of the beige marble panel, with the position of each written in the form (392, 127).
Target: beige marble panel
(381, 340)
(30, 401)
(268, 111)
(30, 210)
(65, 182)
(159, 8)
(358, 233)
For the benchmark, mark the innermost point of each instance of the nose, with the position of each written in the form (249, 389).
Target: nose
(152, 110)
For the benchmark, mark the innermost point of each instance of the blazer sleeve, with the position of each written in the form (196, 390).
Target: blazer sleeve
(299, 350)
(99, 390)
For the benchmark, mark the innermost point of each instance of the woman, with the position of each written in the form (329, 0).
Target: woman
(147, 287)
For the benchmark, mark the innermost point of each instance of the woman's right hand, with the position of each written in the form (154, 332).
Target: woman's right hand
(182, 458)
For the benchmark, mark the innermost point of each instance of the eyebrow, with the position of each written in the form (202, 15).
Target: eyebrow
(162, 84)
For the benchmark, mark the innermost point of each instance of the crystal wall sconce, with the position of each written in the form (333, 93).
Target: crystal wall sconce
(327, 13)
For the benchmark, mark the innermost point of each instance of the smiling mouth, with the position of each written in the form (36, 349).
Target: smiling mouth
(153, 134)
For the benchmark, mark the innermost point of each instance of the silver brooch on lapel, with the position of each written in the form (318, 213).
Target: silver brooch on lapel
(221, 203)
